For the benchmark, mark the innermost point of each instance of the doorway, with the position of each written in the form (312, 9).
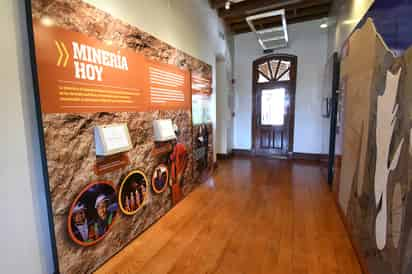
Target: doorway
(274, 88)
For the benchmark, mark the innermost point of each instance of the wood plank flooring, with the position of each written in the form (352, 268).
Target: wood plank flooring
(255, 216)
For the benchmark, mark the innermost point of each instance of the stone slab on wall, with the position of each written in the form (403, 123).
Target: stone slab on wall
(69, 138)
(375, 185)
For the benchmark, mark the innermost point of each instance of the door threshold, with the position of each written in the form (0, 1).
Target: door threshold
(279, 157)
(269, 156)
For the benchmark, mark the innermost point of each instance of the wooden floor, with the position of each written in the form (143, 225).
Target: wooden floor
(254, 216)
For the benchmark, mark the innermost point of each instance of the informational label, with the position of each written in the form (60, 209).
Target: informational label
(112, 139)
(110, 163)
(168, 85)
(163, 130)
(82, 74)
(115, 137)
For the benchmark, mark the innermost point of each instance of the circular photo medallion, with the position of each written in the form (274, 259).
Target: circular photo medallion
(133, 192)
(92, 213)
(160, 178)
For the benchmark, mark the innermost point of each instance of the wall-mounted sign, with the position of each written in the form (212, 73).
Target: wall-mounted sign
(160, 179)
(89, 75)
(92, 69)
(112, 139)
(133, 192)
(168, 85)
(163, 130)
(92, 213)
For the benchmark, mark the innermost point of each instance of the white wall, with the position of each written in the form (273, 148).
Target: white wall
(25, 246)
(221, 103)
(225, 101)
(224, 122)
(309, 43)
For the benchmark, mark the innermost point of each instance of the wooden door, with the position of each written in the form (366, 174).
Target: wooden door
(273, 105)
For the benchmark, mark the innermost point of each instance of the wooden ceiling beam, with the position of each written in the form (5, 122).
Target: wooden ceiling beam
(289, 16)
(241, 8)
(246, 8)
(272, 22)
(217, 4)
(246, 29)
(289, 9)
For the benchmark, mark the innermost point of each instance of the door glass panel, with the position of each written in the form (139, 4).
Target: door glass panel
(283, 71)
(285, 76)
(273, 107)
(264, 68)
(262, 79)
(274, 65)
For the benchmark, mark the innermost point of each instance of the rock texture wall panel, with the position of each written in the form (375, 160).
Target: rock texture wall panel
(375, 187)
(69, 139)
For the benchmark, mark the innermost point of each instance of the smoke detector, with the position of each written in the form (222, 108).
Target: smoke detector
(270, 38)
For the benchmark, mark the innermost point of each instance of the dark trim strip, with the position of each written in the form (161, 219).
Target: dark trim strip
(310, 156)
(242, 152)
(222, 156)
(294, 156)
(37, 103)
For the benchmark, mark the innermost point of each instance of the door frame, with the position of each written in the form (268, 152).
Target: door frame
(333, 117)
(291, 84)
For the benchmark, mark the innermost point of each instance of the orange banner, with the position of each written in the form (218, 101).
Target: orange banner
(81, 74)
(201, 85)
(169, 86)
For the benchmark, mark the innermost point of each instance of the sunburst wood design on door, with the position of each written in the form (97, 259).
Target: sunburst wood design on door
(274, 70)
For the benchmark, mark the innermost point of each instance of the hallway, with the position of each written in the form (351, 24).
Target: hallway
(254, 216)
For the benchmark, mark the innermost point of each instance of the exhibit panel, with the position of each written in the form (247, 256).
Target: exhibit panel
(115, 106)
(202, 126)
(375, 184)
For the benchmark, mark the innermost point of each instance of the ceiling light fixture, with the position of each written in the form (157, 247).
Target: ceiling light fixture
(227, 5)
(324, 23)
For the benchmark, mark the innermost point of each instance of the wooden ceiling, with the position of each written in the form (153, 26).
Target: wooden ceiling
(296, 11)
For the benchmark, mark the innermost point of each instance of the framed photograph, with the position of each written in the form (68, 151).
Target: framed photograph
(133, 192)
(160, 178)
(92, 213)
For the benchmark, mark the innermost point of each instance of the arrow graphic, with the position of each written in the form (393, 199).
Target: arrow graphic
(60, 53)
(67, 54)
(63, 53)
